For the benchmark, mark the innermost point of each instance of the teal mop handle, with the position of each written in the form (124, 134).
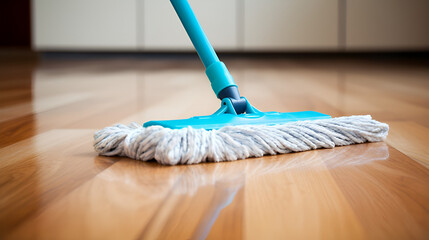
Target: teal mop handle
(216, 71)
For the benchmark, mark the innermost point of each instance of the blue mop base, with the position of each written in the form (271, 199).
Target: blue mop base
(217, 121)
(227, 116)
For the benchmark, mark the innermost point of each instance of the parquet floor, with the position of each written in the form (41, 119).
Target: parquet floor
(54, 186)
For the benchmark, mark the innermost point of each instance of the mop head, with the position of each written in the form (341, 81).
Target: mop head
(230, 143)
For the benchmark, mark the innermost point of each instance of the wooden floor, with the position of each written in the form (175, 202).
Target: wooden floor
(54, 186)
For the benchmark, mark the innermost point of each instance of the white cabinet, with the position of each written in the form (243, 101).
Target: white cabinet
(387, 24)
(84, 24)
(160, 28)
(290, 24)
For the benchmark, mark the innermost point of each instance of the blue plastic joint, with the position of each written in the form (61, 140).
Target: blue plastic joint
(219, 77)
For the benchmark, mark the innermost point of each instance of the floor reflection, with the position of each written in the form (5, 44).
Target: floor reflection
(209, 188)
(188, 179)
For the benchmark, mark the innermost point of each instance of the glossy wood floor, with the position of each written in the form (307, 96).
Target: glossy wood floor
(53, 185)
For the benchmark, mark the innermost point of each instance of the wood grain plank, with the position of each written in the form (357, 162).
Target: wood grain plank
(411, 139)
(390, 198)
(115, 204)
(42, 169)
(301, 202)
(192, 213)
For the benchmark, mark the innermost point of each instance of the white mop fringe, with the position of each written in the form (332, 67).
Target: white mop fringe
(191, 146)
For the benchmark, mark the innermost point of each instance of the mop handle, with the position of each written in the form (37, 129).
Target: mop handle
(216, 70)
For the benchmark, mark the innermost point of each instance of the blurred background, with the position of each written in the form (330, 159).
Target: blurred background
(231, 25)
(68, 67)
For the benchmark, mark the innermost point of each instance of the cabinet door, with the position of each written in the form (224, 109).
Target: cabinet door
(387, 24)
(84, 24)
(160, 28)
(290, 24)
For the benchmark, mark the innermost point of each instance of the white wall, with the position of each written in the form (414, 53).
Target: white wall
(84, 24)
(387, 24)
(160, 28)
(233, 25)
(291, 25)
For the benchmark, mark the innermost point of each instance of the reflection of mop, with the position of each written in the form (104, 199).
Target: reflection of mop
(237, 130)
(188, 180)
(220, 201)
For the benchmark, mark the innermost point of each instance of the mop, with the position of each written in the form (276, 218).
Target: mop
(237, 130)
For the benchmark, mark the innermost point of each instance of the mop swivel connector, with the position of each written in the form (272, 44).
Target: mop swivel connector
(238, 104)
